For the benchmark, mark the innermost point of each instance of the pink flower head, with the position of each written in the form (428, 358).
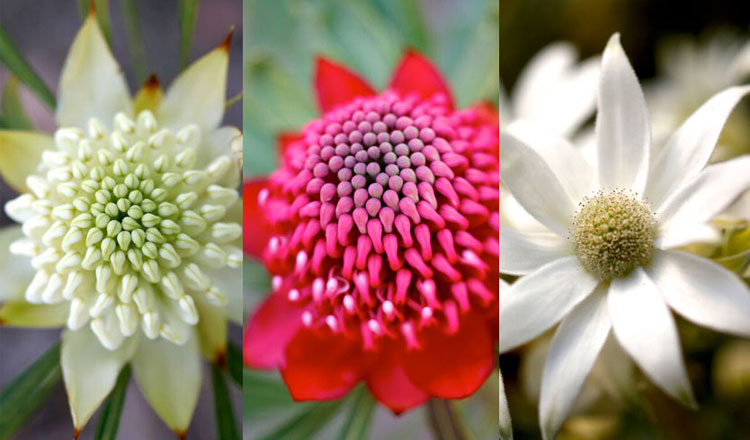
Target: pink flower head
(379, 230)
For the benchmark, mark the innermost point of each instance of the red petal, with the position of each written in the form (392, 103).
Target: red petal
(284, 140)
(257, 231)
(389, 384)
(336, 85)
(417, 74)
(487, 112)
(452, 366)
(268, 332)
(322, 365)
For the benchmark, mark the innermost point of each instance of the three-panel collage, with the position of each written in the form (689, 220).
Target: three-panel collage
(374, 220)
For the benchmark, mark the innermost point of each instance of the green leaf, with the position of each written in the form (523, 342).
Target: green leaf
(305, 425)
(357, 421)
(188, 11)
(109, 420)
(225, 424)
(409, 19)
(14, 61)
(102, 15)
(234, 363)
(264, 392)
(27, 392)
(135, 40)
(12, 111)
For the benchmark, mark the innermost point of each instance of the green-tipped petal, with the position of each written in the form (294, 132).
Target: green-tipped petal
(92, 83)
(20, 152)
(23, 314)
(90, 371)
(169, 376)
(16, 272)
(212, 329)
(197, 95)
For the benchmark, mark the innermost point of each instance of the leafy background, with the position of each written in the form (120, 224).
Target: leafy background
(280, 41)
(42, 31)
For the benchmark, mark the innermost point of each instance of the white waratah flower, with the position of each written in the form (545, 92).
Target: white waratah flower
(131, 229)
(607, 259)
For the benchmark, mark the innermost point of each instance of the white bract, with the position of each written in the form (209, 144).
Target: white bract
(131, 229)
(606, 257)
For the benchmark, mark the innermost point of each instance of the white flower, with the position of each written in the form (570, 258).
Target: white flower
(131, 229)
(607, 259)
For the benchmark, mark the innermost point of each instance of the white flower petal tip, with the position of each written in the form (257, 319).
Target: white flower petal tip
(91, 83)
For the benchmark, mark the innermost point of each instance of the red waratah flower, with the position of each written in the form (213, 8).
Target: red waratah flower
(380, 230)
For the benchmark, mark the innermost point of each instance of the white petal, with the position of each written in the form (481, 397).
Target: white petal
(90, 371)
(169, 376)
(24, 314)
(687, 151)
(571, 356)
(677, 235)
(229, 282)
(702, 291)
(645, 328)
(219, 143)
(20, 154)
(524, 253)
(539, 300)
(622, 127)
(541, 74)
(212, 328)
(506, 431)
(91, 82)
(197, 95)
(566, 162)
(513, 215)
(543, 196)
(707, 194)
(17, 272)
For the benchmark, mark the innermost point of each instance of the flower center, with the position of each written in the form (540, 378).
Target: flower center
(123, 226)
(614, 233)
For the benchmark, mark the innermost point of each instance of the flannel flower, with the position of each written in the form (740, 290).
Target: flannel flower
(608, 259)
(379, 231)
(130, 231)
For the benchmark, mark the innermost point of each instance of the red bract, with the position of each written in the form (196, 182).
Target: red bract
(382, 243)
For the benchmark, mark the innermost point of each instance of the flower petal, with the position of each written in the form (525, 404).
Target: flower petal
(23, 314)
(17, 272)
(335, 84)
(645, 328)
(284, 140)
(681, 234)
(687, 151)
(169, 377)
(91, 83)
(702, 291)
(20, 153)
(198, 94)
(416, 74)
(229, 281)
(451, 366)
(219, 143)
(571, 356)
(257, 230)
(90, 371)
(622, 126)
(387, 381)
(212, 329)
(149, 96)
(707, 194)
(524, 253)
(543, 196)
(322, 365)
(269, 331)
(542, 298)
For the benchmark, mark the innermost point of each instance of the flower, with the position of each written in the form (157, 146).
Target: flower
(607, 259)
(382, 239)
(130, 218)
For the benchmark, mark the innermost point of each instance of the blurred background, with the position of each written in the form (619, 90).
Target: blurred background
(684, 52)
(42, 31)
(369, 36)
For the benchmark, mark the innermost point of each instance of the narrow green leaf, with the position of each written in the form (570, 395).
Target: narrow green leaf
(306, 424)
(135, 40)
(263, 392)
(109, 420)
(232, 101)
(12, 111)
(357, 422)
(28, 391)
(14, 61)
(188, 11)
(234, 363)
(102, 15)
(225, 423)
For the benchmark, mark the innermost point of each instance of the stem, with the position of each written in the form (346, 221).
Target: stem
(445, 422)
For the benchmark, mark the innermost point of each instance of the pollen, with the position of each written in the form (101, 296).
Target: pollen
(125, 227)
(614, 233)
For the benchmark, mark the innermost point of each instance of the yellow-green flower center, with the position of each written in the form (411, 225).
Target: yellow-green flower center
(613, 233)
